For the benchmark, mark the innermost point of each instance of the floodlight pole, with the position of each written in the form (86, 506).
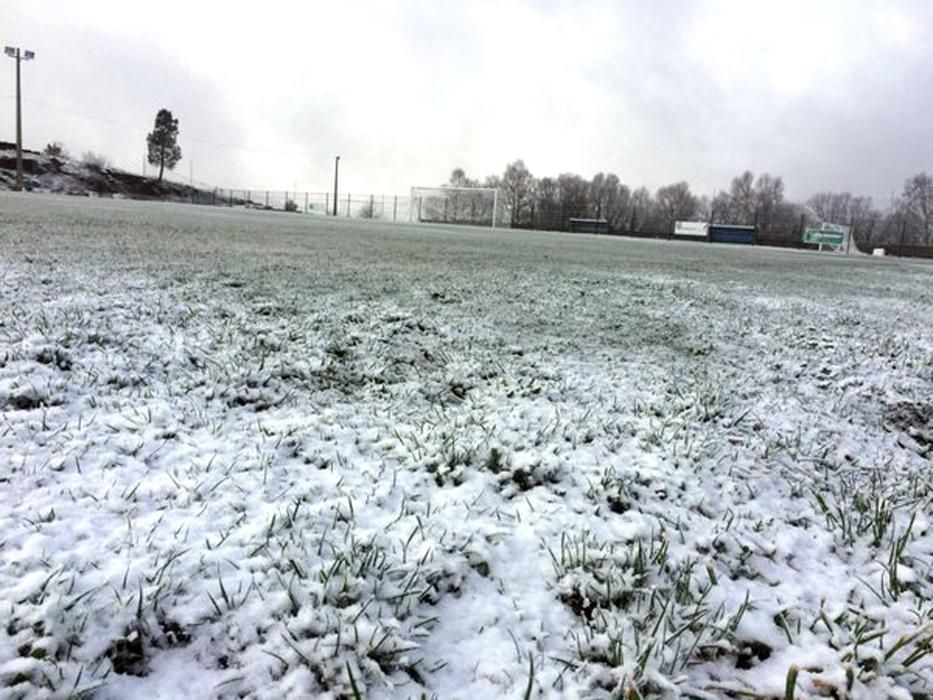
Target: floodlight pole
(14, 52)
(336, 171)
(19, 125)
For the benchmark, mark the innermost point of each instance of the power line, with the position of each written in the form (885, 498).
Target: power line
(142, 131)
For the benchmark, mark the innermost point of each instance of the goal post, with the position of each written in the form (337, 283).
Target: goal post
(476, 206)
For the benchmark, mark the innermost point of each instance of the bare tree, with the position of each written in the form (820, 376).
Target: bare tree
(721, 208)
(518, 187)
(769, 200)
(831, 206)
(864, 219)
(742, 200)
(619, 207)
(574, 194)
(752, 201)
(675, 203)
(609, 199)
(494, 182)
(598, 194)
(643, 210)
(464, 207)
(55, 150)
(917, 206)
(547, 206)
(458, 178)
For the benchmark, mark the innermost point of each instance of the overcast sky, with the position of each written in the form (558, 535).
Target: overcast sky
(830, 95)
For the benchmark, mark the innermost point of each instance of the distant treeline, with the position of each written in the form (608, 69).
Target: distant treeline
(550, 202)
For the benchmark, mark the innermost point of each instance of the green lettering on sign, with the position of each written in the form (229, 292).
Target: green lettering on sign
(819, 235)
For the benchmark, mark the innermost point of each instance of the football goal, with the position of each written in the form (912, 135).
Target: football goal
(475, 206)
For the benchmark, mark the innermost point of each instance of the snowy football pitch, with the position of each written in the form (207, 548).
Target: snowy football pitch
(249, 454)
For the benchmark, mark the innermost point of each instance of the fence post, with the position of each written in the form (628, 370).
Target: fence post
(348, 205)
(327, 202)
(306, 202)
(372, 213)
(394, 207)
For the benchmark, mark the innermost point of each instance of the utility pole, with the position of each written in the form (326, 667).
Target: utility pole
(14, 52)
(336, 171)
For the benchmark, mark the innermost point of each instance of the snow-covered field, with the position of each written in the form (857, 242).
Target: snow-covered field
(246, 454)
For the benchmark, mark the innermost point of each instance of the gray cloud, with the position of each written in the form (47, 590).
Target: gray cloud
(831, 94)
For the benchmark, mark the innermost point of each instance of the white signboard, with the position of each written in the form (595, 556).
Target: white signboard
(700, 229)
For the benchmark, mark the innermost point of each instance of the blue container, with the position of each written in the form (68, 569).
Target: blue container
(589, 226)
(741, 235)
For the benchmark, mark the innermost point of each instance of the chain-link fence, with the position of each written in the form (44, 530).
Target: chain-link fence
(384, 207)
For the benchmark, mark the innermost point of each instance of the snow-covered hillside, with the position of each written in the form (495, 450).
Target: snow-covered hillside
(66, 175)
(250, 455)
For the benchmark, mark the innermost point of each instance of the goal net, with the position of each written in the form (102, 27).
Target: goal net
(455, 205)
